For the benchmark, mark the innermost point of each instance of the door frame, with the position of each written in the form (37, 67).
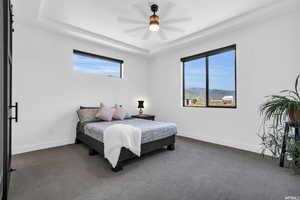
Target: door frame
(2, 99)
(7, 62)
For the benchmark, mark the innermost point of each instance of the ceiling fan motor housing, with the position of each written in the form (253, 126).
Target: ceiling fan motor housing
(154, 19)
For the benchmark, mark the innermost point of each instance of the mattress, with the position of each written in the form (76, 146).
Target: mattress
(151, 130)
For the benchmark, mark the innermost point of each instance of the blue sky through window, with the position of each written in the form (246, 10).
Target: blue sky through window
(97, 66)
(221, 72)
(195, 74)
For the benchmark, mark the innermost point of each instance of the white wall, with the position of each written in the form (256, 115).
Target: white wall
(49, 92)
(267, 62)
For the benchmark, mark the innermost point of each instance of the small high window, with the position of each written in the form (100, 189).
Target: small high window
(88, 63)
(209, 79)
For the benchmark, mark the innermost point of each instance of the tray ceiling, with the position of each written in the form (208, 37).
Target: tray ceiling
(103, 20)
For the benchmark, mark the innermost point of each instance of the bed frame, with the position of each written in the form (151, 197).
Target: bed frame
(97, 147)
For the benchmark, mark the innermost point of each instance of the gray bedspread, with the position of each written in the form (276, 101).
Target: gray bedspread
(151, 130)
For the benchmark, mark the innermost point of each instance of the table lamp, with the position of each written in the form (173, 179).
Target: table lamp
(141, 106)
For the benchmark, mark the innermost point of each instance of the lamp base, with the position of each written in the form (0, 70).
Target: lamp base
(140, 111)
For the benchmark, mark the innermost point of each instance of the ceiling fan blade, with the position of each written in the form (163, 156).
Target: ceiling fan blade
(166, 10)
(176, 20)
(162, 35)
(172, 28)
(146, 35)
(135, 29)
(139, 8)
(132, 21)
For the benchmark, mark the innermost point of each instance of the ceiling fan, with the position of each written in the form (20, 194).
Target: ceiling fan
(154, 19)
(157, 22)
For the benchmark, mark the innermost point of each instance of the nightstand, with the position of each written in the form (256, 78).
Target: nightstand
(144, 116)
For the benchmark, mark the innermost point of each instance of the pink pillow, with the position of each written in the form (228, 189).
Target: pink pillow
(119, 113)
(105, 113)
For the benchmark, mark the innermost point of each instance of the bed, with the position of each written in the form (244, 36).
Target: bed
(155, 135)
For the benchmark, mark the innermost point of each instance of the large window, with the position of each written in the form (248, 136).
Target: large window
(209, 79)
(88, 63)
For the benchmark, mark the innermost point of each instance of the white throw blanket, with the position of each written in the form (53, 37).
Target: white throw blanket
(120, 135)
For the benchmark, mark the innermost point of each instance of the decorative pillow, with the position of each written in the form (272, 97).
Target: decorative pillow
(85, 115)
(105, 113)
(126, 115)
(119, 113)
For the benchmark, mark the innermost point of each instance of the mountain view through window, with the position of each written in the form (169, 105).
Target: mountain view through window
(86, 63)
(209, 79)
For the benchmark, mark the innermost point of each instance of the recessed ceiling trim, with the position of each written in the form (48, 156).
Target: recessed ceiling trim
(273, 9)
(233, 23)
(91, 36)
(85, 34)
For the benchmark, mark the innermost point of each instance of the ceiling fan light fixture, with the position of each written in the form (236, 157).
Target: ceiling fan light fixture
(154, 19)
(154, 23)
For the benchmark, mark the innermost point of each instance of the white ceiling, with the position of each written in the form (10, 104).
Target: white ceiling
(101, 19)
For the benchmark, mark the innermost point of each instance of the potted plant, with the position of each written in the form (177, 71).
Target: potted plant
(277, 110)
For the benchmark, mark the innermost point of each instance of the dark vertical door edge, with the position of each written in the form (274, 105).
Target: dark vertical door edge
(7, 93)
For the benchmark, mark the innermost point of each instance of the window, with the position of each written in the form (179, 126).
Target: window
(209, 79)
(88, 63)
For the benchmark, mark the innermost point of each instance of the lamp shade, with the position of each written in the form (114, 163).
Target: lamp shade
(141, 104)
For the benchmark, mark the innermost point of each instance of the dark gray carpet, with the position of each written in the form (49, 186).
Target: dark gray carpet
(195, 170)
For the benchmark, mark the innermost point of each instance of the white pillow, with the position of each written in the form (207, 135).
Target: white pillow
(105, 113)
(119, 113)
(85, 115)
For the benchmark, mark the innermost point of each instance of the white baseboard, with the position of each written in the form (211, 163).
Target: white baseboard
(246, 147)
(35, 147)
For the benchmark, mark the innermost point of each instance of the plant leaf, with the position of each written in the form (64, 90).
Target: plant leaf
(296, 86)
